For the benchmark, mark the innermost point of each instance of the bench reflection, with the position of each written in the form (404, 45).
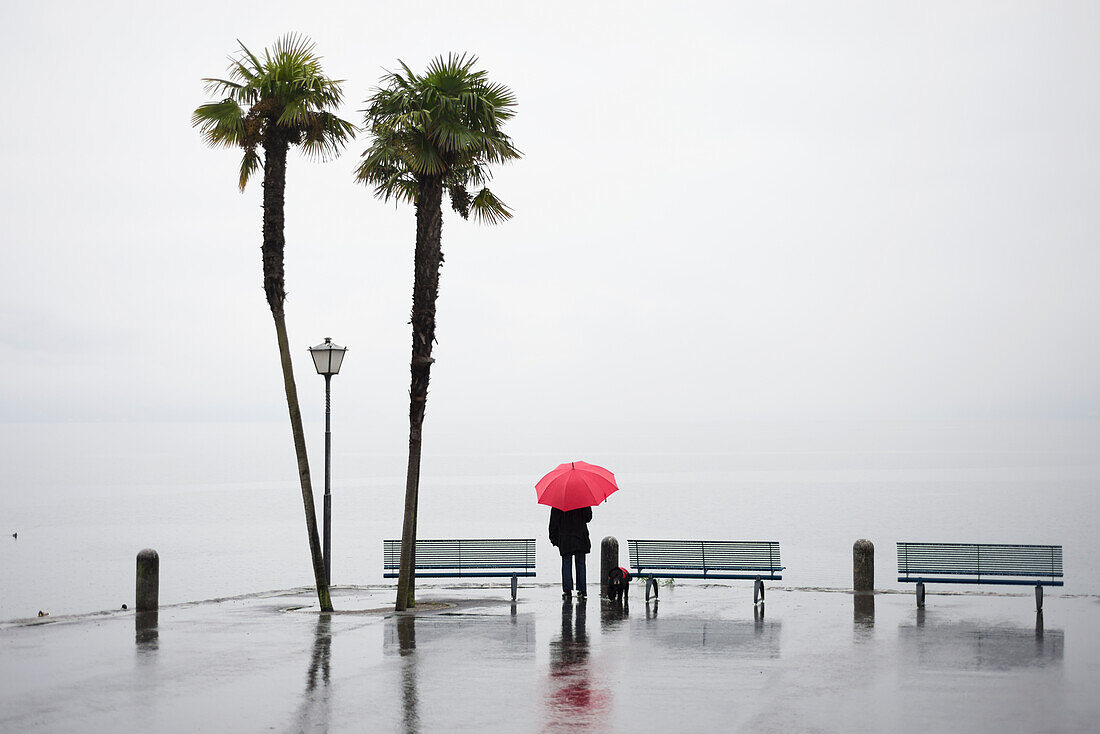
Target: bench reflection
(747, 638)
(966, 645)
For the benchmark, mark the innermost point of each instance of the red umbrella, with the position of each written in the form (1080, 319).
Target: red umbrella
(574, 485)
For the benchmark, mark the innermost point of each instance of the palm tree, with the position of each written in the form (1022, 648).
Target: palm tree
(435, 132)
(270, 104)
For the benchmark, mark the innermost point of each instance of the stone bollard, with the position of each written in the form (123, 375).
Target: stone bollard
(148, 581)
(609, 559)
(863, 566)
(863, 581)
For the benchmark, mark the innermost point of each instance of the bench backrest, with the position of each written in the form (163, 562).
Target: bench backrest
(717, 555)
(465, 553)
(980, 559)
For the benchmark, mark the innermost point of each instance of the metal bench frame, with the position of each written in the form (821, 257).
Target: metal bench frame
(709, 559)
(465, 558)
(980, 563)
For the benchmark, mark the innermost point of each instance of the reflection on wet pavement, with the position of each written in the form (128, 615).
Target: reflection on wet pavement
(705, 660)
(449, 667)
(314, 711)
(973, 645)
(695, 636)
(574, 698)
(613, 613)
(146, 631)
(863, 608)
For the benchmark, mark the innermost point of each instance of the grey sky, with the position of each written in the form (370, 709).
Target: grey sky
(726, 211)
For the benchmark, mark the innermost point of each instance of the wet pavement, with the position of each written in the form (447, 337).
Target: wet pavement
(704, 657)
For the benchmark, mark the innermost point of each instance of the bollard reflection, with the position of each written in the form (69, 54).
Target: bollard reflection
(146, 631)
(613, 613)
(863, 609)
(572, 700)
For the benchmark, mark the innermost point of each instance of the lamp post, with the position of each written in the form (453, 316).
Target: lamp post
(327, 358)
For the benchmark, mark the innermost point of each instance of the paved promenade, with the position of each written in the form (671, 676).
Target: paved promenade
(470, 660)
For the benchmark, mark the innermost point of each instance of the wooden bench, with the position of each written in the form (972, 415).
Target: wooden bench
(980, 563)
(706, 559)
(463, 558)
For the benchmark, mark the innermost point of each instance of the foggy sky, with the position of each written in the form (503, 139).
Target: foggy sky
(725, 211)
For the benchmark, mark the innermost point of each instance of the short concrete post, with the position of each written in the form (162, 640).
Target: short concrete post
(863, 581)
(863, 566)
(148, 581)
(609, 559)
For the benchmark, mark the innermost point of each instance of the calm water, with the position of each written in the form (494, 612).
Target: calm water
(221, 505)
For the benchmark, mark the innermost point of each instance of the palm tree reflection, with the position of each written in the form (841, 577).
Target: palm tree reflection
(572, 700)
(313, 713)
(406, 643)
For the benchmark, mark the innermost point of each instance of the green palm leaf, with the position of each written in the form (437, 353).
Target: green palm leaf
(488, 209)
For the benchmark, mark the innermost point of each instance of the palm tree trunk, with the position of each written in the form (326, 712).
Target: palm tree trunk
(274, 244)
(428, 260)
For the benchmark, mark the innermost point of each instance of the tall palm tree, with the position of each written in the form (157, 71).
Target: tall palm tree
(272, 103)
(433, 133)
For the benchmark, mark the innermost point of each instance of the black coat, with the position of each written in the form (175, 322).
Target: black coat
(569, 530)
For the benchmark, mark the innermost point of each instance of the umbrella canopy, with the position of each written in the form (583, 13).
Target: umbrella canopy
(574, 485)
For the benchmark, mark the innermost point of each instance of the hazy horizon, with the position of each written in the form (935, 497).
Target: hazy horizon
(725, 212)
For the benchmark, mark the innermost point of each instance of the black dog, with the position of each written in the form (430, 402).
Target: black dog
(618, 584)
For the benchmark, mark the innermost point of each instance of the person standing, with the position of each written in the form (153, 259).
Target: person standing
(569, 532)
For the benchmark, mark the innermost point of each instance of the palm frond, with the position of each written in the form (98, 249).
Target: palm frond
(257, 66)
(325, 135)
(249, 165)
(488, 209)
(221, 123)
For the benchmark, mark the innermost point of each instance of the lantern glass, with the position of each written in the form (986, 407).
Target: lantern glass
(327, 357)
(335, 357)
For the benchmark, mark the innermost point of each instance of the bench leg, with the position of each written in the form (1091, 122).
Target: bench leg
(515, 586)
(758, 591)
(1038, 597)
(920, 595)
(650, 583)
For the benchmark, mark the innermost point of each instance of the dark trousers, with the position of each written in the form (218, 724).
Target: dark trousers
(567, 573)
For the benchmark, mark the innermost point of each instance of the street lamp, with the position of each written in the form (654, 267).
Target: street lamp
(327, 358)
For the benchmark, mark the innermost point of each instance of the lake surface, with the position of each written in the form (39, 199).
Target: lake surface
(221, 504)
